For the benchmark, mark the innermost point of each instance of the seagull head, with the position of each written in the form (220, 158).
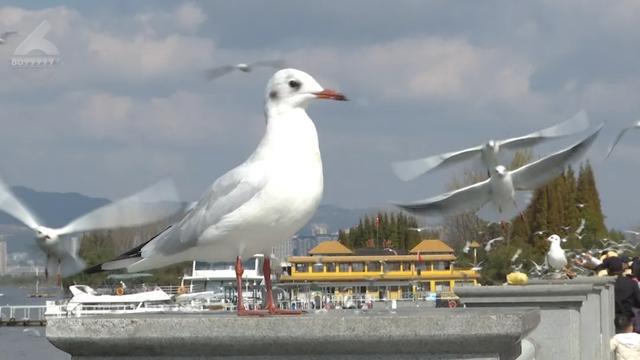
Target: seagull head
(554, 239)
(501, 170)
(45, 236)
(291, 88)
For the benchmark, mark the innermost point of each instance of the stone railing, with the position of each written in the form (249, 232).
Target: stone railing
(576, 316)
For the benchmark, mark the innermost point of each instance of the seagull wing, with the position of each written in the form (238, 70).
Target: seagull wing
(276, 63)
(10, 204)
(568, 127)
(411, 169)
(153, 204)
(636, 125)
(468, 198)
(538, 173)
(215, 210)
(214, 73)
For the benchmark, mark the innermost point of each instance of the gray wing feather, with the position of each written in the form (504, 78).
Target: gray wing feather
(468, 198)
(411, 169)
(568, 127)
(540, 172)
(227, 194)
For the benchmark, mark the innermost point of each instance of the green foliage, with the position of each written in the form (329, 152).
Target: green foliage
(394, 230)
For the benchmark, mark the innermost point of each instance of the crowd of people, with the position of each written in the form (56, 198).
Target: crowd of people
(626, 342)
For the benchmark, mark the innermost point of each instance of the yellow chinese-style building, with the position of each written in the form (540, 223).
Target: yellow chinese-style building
(379, 273)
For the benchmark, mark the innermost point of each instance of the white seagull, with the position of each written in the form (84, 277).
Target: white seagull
(153, 204)
(508, 191)
(556, 257)
(256, 205)
(5, 35)
(489, 246)
(635, 125)
(488, 152)
(220, 71)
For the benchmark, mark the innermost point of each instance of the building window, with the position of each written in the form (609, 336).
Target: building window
(304, 267)
(422, 266)
(357, 267)
(343, 267)
(440, 265)
(317, 268)
(331, 267)
(463, 283)
(442, 286)
(373, 266)
(392, 266)
(406, 266)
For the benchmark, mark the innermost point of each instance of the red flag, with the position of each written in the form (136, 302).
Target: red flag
(419, 256)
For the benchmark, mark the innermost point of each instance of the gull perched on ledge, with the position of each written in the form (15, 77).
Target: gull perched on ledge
(256, 205)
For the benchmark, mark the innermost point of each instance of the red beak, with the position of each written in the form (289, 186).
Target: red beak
(330, 94)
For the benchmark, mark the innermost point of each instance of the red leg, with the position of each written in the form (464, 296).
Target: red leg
(271, 307)
(240, 306)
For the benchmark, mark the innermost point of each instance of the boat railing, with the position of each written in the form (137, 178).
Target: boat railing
(22, 312)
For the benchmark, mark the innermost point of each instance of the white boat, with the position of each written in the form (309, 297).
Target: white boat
(86, 301)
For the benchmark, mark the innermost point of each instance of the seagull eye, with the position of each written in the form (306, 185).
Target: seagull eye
(294, 84)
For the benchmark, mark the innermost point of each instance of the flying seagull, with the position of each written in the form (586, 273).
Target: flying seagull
(223, 70)
(635, 125)
(490, 244)
(153, 204)
(256, 205)
(488, 152)
(5, 35)
(507, 191)
(556, 257)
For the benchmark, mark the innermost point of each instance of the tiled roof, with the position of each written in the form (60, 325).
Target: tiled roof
(431, 246)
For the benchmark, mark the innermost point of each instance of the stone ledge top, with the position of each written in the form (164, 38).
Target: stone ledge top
(408, 330)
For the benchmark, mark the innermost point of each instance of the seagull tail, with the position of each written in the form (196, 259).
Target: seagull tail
(124, 261)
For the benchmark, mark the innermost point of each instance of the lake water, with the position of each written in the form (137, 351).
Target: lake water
(25, 343)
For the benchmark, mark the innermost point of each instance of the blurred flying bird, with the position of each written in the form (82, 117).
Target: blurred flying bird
(490, 244)
(488, 152)
(220, 71)
(635, 125)
(150, 205)
(508, 192)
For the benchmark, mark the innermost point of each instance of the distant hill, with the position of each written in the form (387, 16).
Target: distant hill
(335, 218)
(53, 208)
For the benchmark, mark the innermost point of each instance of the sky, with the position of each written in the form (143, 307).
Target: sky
(127, 103)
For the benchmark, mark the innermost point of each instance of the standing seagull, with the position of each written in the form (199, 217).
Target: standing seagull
(255, 206)
(153, 204)
(556, 257)
(488, 152)
(223, 70)
(5, 35)
(502, 187)
(635, 125)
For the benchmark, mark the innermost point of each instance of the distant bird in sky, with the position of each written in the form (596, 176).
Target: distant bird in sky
(580, 206)
(489, 151)
(256, 205)
(508, 192)
(419, 229)
(490, 244)
(540, 232)
(217, 72)
(635, 125)
(556, 257)
(467, 247)
(516, 255)
(153, 204)
(537, 269)
(5, 35)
